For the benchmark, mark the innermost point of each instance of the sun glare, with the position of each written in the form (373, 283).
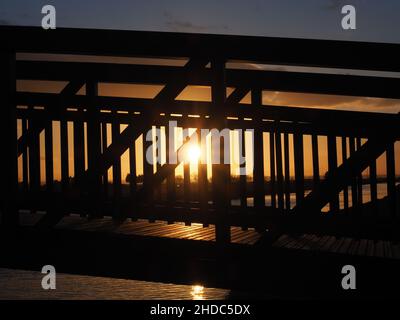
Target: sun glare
(193, 153)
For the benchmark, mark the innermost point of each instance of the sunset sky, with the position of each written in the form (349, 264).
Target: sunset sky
(377, 21)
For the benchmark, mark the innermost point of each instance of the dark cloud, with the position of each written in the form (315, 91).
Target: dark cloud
(174, 23)
(4, 22)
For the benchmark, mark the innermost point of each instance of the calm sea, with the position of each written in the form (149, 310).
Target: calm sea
(23, 284)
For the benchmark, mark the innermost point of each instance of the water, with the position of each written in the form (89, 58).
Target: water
(22, 284)
(366, 192)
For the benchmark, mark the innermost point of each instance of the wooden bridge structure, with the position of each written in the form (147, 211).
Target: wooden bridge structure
(204, 60)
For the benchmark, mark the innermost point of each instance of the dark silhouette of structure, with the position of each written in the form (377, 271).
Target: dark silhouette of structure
(206, 65)
(154, 196)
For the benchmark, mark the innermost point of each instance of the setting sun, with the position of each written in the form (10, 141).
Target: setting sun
(193, 153)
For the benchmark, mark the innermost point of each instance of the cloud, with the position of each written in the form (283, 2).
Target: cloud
(331, 102)
(4, 22)
(173, 23)
(336, 5)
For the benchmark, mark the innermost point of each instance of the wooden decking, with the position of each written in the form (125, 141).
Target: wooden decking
(160, 229)
(147, 229)
(340, 245)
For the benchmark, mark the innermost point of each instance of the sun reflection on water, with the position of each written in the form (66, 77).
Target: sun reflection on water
(197, 292)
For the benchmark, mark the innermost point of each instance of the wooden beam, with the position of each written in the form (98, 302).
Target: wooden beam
(269, 50)
(342, 176)
(59, 102)
(303, 82)
(220, 171)
(258, 172)
(9, 182)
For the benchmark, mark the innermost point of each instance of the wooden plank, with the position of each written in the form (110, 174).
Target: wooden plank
(370, 248)
(309, 242)
(281, 240)
(362, 248)
(328, 244)
(345, 246)
(336, 246)
(354, 247)
(396, 250)
(379, 250)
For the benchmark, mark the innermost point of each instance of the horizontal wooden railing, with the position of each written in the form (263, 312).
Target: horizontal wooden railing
(92, 133)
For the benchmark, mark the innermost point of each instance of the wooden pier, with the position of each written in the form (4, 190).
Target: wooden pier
(87, 135)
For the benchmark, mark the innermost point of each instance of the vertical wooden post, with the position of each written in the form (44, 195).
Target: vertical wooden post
(272, 166)
(359, 179)
(103, 148)
(287, 170)
(170, 149)
(391, 179)
(315, 157)
(299, 166)
(202, 179)
(346, 189)
(243, 177)
(132, 165)
(279, 171)
(115, 131)
(94, 150)
(34, 165)
(186, 182)
(332, 165)
(64, 156)
(258, 172)
(373, 187)
(9, 182)
(354, 195)
(25, 159)
(49, 156)
(79, 147)
(220, 171)
(148, 171)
